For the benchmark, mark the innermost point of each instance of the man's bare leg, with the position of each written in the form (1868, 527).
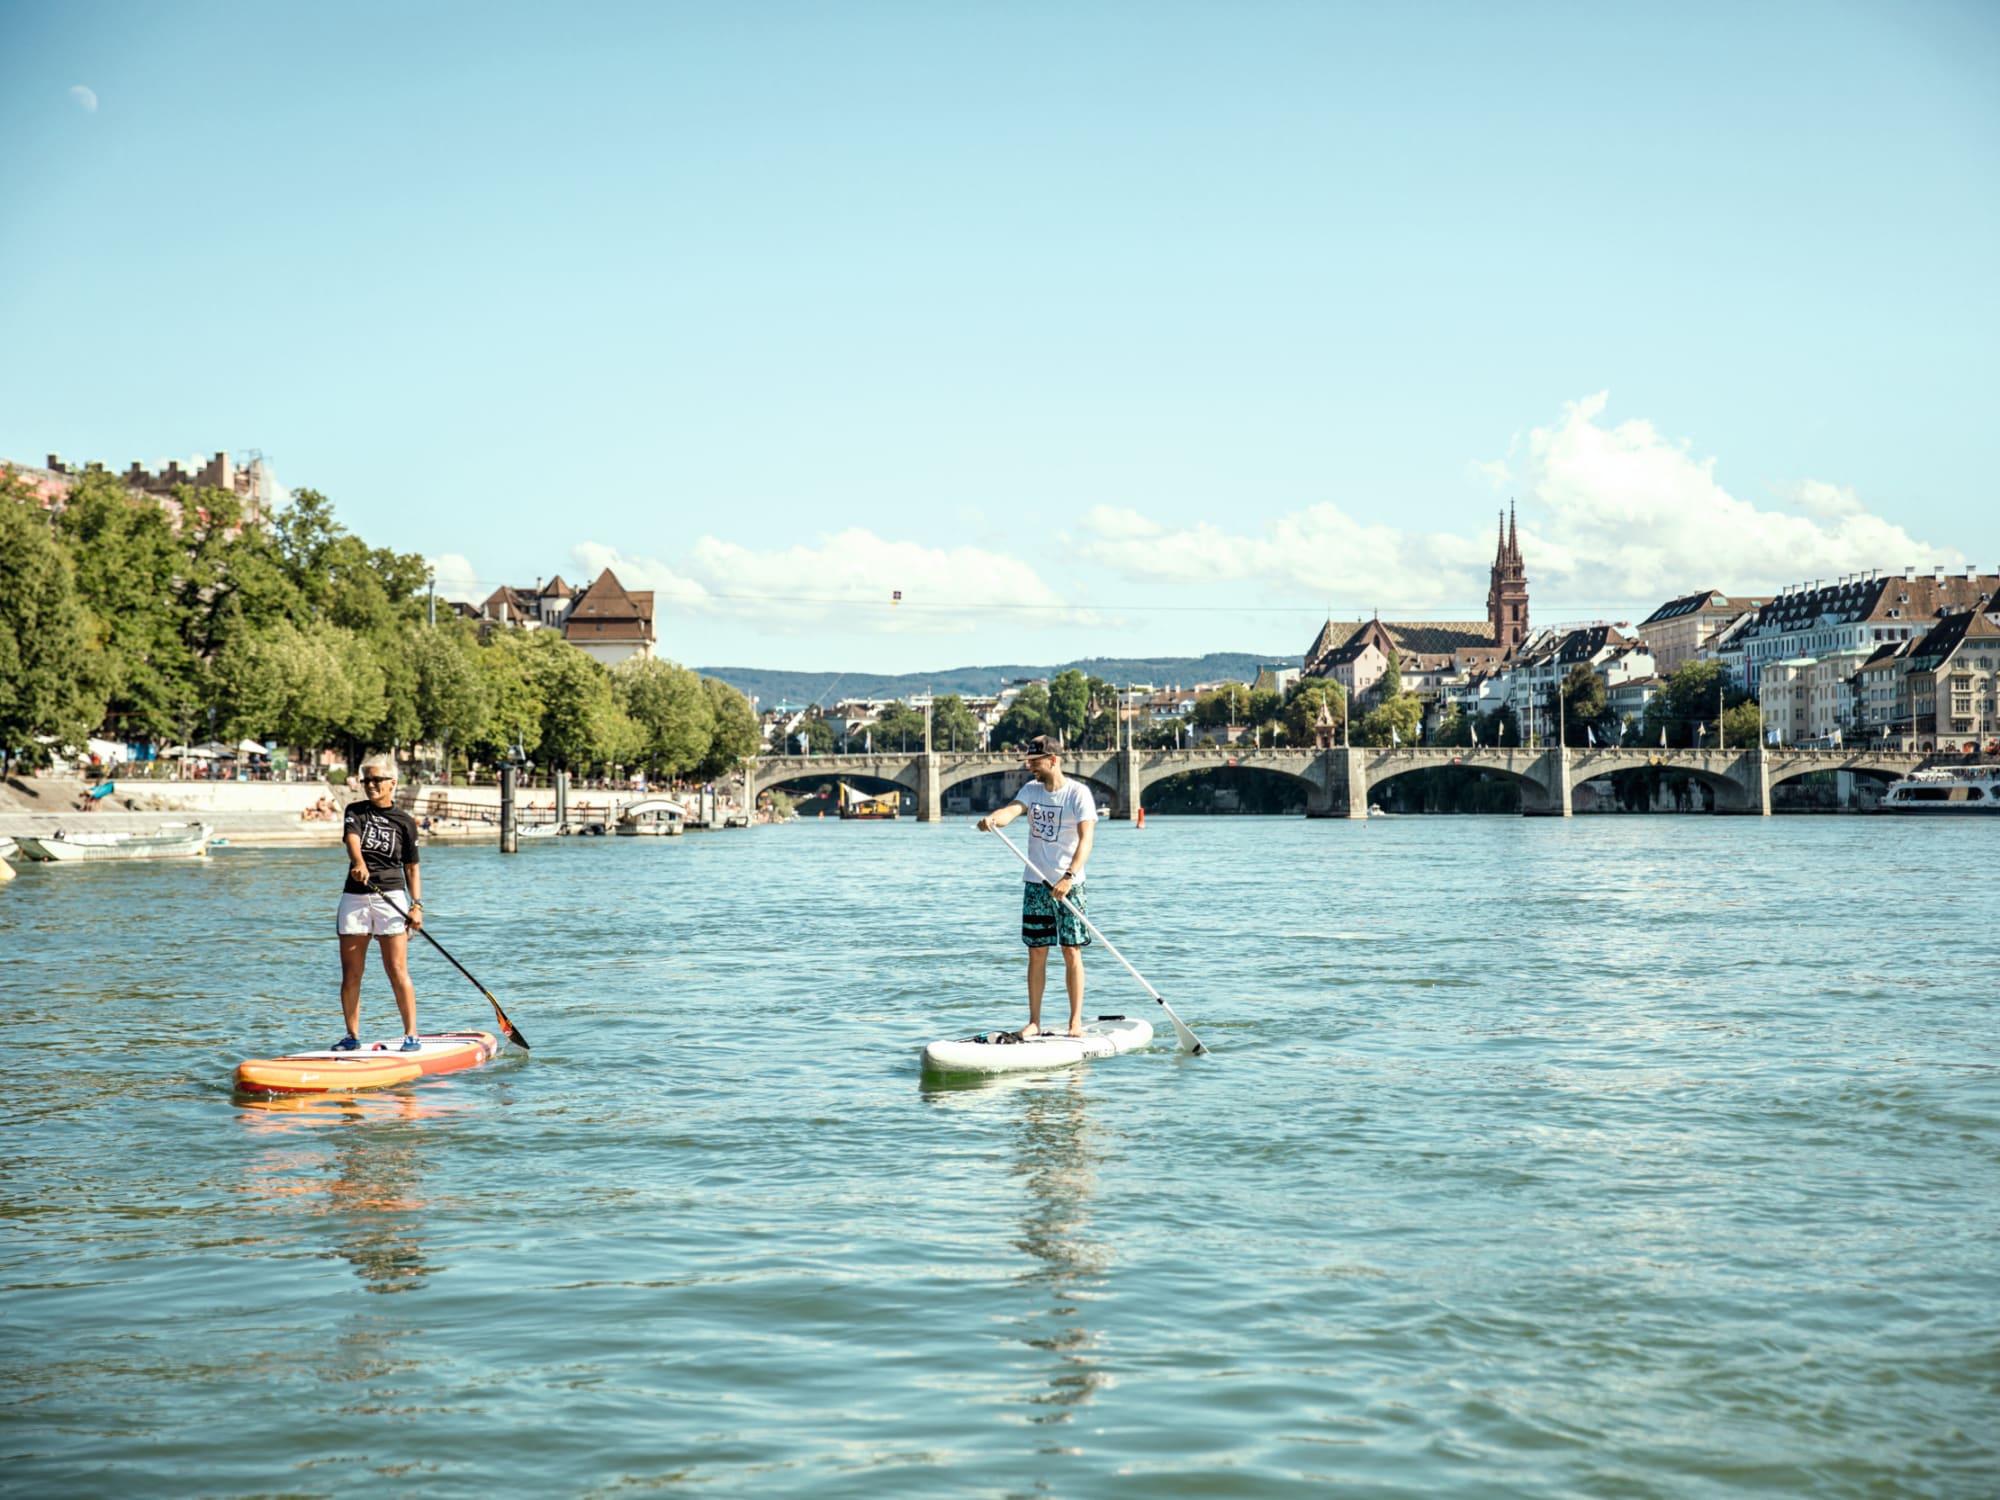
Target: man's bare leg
(1038, 974)
(1073, 979)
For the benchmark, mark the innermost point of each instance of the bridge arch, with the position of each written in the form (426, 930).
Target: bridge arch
(1727, 794)
(1533, 792)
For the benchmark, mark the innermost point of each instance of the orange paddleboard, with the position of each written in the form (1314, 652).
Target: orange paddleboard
(375, 1066)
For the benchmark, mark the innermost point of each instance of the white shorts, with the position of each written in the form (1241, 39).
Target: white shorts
(369, 915)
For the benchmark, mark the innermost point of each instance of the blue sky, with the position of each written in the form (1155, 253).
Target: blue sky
(1095, 329)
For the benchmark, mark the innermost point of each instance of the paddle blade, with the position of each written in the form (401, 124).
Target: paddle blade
(1188, 1040)
(507, 1027)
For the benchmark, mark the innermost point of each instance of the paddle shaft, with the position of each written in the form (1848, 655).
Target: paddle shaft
(512, 1032)
(1188, 1039)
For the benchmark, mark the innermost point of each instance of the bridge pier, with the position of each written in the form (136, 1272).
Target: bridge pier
(1126, 802)
(1553, 773)
(1344, 794)
(930, 794)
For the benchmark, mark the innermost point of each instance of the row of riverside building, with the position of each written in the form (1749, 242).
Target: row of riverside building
(1910, 659)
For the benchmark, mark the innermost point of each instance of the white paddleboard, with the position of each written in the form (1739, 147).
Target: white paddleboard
(1104, 1037)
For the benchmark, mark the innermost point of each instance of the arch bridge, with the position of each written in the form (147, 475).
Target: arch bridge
(1337, 781)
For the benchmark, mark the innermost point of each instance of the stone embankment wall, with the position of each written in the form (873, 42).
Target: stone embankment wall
(250, 811)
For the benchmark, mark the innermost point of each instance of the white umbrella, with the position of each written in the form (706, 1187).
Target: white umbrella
(250, 747)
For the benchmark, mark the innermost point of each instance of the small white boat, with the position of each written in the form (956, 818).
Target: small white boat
(1956, 790)
(1006, 1052)
(169, 841)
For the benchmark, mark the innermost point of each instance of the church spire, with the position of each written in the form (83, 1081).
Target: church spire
(1513, 537)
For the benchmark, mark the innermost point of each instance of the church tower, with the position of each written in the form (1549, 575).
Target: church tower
(1507, 595)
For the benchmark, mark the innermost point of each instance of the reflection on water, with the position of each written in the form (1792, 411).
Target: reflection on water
(352, 1168)
(1055, 1161)
(1057, 1165)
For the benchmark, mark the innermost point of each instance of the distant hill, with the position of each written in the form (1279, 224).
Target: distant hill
(770, 688)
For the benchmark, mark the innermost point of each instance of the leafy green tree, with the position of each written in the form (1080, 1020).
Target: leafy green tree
(1069, 704)
(304, 686)
(1742, 724)
(452, 699)
(818, 733)
(1391, 684)
(675, 715)
(900, 727)
(514, 704)
(1392, 721)
(1579, 704)
(48, 681)
(1303, 698)
(1026, 717)
(952, 725)
(126, 559)
(581, 720)
(736, 736)
(1452, 729)
(1689, 699)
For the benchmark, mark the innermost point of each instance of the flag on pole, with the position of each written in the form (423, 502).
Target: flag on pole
(1589, 737)
(1663, 736)
(803, 742)
(868, 741)
(1394, 738)
(1474, 731)
(895, 598)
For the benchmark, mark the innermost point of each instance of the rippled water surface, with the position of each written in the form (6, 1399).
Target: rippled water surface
(1622, 1157)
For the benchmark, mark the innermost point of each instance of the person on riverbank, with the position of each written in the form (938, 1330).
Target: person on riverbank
(381, 841)
(1062, 825)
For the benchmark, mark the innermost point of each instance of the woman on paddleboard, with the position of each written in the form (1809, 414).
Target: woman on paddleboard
(382, 900)
(1062, 824)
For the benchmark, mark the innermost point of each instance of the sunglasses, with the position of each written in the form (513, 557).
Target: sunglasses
(378, 781)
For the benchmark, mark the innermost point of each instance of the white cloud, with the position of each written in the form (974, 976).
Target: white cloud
(1610, 515)
(85, 98)
(1622, 512)
(847, 579)
(456, 578)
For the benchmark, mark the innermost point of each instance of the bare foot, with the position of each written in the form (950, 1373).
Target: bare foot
(1031, 1029)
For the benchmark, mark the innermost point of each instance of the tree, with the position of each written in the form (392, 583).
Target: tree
(675, 716)
(900, 727)
(47, 677)
(1579, 705)
(1392, 721)
(514, 705)
(125, 556)
(818, 733)
(1742, 723)
(452, 699)
(952, 724)
(1391, 685)
(1302, 704)
(736, 735)
(1689, 699)
(1026, 717)
(1452, 729)
(1069, 704)
(582, 724)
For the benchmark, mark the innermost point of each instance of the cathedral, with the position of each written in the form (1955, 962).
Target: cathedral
(1355, 652)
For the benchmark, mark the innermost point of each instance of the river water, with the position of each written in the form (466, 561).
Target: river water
(1613, 1157)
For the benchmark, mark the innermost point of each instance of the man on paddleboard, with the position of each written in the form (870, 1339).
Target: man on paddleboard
(1062, 823)
(381, 844)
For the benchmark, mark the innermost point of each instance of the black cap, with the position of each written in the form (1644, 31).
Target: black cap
(1043, 744)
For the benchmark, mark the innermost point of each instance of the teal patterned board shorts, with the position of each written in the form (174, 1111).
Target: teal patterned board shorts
(1044, 923)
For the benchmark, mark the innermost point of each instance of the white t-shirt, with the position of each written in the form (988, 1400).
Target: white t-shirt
(1055, 826)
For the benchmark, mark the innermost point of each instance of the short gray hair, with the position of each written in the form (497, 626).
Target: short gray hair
(380, 765)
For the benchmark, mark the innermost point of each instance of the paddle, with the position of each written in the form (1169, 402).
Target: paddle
(1189, 1041)
(511, 1031)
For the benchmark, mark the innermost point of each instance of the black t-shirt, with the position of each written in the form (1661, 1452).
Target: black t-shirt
(388, 842)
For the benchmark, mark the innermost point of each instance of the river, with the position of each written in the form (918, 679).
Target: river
(1607, 1157)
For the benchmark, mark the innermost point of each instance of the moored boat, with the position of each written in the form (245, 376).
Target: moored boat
(659, 817)
(1955, 790)
(856, 804)
(169, 841)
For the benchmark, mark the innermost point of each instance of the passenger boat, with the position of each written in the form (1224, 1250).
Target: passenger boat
(169, 841)
(659, 817)
(855, 804)
(1957, 790)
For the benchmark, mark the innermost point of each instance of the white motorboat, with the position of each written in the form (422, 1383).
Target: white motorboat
(1957, 790)
(169, 841)
(658, 817)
